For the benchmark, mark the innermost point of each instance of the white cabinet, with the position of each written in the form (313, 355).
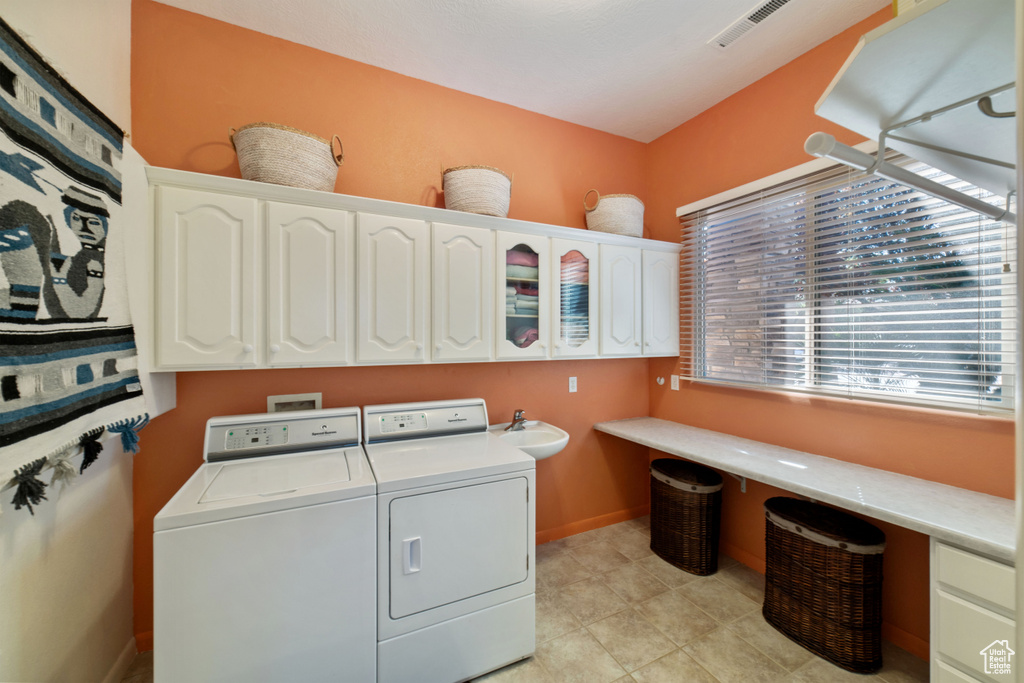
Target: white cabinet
(207, 279)
(574, 270)
(523, 303)
(661, 303)
(310, 285)
(393, 289)
(463, 293)
(620, 317)
(973, 616)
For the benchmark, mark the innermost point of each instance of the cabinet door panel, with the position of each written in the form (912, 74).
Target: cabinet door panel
(661, 303)
(575, 277)
(310, 270)
(393, 289)
(620, 301)
(463, 287)
(206, 279)
(524, 296)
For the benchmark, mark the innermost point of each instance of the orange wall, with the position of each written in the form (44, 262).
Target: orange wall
(193, 78)
(754, 133)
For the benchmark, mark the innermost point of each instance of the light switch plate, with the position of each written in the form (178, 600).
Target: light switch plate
(675, 382)
(572, 385)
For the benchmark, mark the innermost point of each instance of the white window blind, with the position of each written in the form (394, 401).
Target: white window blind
(852, 285)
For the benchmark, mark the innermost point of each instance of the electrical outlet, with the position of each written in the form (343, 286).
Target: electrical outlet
(675, 382)
(572, 385)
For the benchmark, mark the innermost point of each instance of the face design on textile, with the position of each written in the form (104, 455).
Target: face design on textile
(89, 228)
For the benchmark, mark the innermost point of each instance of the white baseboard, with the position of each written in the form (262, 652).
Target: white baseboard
(124, 660)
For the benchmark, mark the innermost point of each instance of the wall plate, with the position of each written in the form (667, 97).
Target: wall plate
(287, 402)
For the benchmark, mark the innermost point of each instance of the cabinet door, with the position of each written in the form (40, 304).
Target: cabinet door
(207, 287)
(620, 301)
(574, 298)
(661, 303)
(463, 293)
(393, 289)
(523, 301)
(310, 281)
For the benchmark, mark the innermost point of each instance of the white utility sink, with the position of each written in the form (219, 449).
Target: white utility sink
(537, 438)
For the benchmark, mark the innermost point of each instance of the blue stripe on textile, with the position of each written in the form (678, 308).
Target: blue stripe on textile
(25, 288)
(79, 159)
(31, 411)
(9, 313)
(16, 58)
(65, 355)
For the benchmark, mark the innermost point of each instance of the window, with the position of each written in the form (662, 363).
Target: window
(852, 285)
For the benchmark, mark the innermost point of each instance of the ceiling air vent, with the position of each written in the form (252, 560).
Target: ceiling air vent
(740, 27)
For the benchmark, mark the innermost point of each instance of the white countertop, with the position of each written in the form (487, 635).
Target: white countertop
(971, 520)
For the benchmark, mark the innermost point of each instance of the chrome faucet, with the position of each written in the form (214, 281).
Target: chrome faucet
(518, 422)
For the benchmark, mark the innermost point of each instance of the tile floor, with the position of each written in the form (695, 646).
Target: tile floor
(609, 610)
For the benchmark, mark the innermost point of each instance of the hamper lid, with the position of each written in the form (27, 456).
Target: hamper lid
(685, 475)
(825, 525)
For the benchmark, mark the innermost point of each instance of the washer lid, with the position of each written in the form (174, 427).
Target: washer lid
(276, 476)
(221, 491)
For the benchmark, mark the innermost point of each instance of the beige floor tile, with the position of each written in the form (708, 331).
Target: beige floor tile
(599, 557)
(675, 667)
(559, 569)
(631, 639)
(594, 536)
(642, 524)
(899, 666)
(819, 670)
(632, 544)
(590, 600)
(668, 574)
(524, 671)
(717, 599)
(730, 659)
(677, 617)
(633, 584)
(744, 579)
(762, 635)
(554, 618)
(551, 548)
(577, 656)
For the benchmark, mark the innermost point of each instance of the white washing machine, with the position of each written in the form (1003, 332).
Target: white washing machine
(264, 562)
(455, 563)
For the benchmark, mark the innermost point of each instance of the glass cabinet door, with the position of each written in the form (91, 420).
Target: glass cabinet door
(574, 269)
(522, 330)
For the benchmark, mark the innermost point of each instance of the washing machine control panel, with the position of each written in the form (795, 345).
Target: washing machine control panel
(408, 422)
(254, 437)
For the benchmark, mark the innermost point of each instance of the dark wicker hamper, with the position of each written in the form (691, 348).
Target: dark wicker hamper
(686, 511)
(823, 581)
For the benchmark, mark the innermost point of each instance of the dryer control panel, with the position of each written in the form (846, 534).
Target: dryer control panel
(398, 421)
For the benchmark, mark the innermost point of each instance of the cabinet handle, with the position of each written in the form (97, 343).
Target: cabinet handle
(636, 343)
(438, 347)
(419, 347)
(274, 348)
(248, 348)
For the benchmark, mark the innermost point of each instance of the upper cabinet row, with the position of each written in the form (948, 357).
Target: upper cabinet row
(244, 282)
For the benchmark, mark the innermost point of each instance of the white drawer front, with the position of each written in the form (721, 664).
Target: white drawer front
(947, 674)
(984, 578)
(965, 629)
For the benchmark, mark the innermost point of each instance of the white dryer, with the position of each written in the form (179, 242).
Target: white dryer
(264, 562)
(455, 564)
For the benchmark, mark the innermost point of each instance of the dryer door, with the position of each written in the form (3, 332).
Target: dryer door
(453, 544)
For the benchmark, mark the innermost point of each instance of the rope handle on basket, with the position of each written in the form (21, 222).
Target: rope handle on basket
(231, 137)
(591, 208)
(339, 158)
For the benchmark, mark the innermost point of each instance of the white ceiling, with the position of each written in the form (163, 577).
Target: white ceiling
(636, 68)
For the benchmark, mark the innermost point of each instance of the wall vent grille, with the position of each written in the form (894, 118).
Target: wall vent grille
(741, 26)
